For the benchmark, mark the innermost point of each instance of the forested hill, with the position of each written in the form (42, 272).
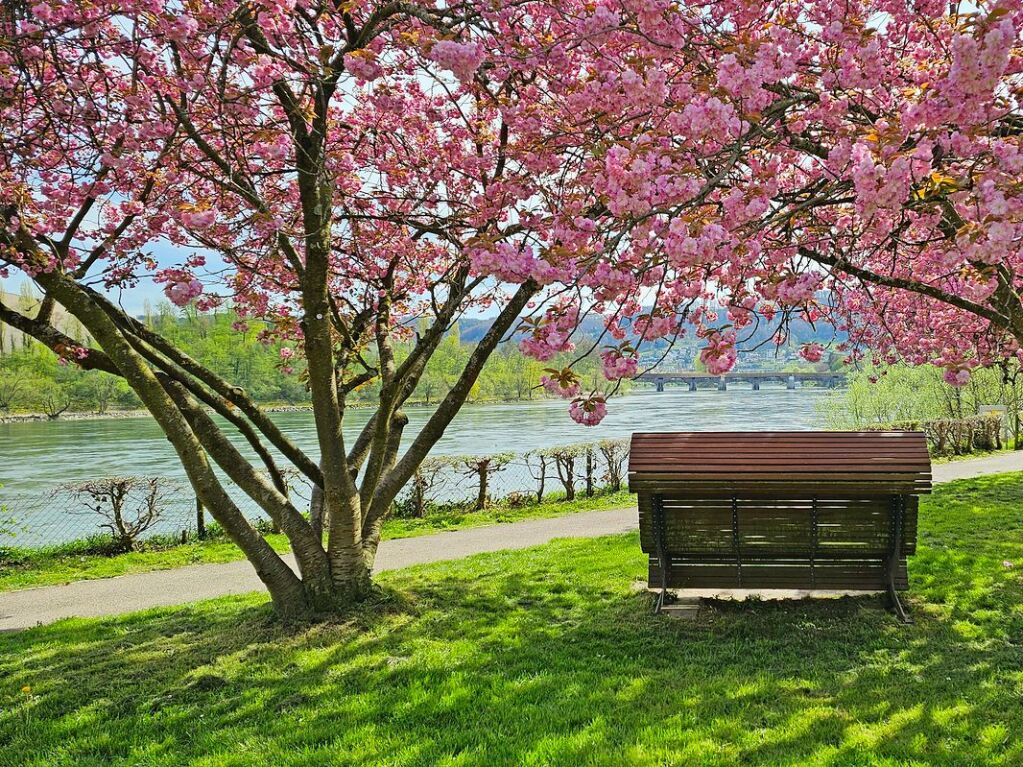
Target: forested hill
(33, 380)
(801, 331)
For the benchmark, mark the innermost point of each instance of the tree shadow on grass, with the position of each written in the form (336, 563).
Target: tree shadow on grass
(543, 657)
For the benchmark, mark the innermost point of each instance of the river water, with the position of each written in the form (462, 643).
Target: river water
(37, 456)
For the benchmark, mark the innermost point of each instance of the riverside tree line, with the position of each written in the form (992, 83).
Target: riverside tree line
(33, 379)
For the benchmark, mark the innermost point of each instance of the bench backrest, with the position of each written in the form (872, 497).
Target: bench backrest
(779, 510)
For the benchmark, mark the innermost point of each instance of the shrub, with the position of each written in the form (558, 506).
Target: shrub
(7, 529)
(14, 386)
(128, 506)
(482, 467)
(615, 453)
(536, 465)
(564, 459)
(955, 436)
(53, 399)
(516, 500)
(418, 494)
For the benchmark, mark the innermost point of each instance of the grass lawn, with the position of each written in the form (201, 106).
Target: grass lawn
(46, 567)
(550, 657)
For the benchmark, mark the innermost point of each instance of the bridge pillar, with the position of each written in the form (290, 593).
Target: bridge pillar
(660, 384)
(722, 384)
(791, 382)
(692, 384)
(756, 385)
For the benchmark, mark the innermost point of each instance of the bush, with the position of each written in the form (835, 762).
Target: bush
(418, 494)
(564, 460)
(615, 453)
(52, 398)
(515, 500)
(14, 387)
(954, 436)
(536, 463)
(128, 506)
(7, 529)
(482, 468)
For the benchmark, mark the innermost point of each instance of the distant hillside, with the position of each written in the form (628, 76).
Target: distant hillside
(472, 330)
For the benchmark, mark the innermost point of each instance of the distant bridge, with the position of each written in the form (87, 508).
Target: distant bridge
(693, 379)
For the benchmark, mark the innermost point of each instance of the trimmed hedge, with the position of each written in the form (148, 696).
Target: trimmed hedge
(955, 436)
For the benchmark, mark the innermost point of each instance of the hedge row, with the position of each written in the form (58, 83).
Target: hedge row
(575, 468)
(955, 436)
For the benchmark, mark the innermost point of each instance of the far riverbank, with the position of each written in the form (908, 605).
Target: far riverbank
(114, 415)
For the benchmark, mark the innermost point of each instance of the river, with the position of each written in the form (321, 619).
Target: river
(38, 456)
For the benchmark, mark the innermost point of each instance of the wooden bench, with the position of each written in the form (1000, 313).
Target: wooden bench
(779, 510)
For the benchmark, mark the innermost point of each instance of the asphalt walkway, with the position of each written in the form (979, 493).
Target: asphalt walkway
(128, 593)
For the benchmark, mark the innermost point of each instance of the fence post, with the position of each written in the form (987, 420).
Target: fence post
(200, 520)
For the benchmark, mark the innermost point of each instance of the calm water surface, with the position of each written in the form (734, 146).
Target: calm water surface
(39, 455)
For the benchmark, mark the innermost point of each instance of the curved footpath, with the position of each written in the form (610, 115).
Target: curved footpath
(128, 593)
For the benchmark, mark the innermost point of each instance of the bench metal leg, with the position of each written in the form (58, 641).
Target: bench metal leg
(896, 604)
(897, 514)
(660, 536)
(663, 597)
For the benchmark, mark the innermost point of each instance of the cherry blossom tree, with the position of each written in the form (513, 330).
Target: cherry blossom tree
(868, 154)
(352, 174)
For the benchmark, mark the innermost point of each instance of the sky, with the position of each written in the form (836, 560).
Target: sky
(132, 300)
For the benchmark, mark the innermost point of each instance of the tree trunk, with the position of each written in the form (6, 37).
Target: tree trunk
(542, 480)
(307, 549)
(286, 590)
(481, 495)
(316, 512)
(124, 539)
(566, 471)
(200, 520)
(342, 510)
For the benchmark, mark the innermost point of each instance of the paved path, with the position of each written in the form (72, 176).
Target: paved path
(128, 593)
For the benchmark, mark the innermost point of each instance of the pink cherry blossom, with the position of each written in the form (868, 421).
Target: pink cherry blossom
(957, 377)
(461, 58)
(720, 354)
(363, 64)
(781, 165)
(615, 364)
(589, 411)
(557, 387)
(199, 219)
(812, 352)
(180, 286)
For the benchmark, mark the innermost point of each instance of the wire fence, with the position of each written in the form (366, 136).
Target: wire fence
(127, 510)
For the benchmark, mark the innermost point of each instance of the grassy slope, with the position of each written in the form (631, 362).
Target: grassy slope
(45, 568)
(550, 657)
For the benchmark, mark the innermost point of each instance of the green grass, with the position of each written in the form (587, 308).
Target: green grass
(550, 657)
(27, 568)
